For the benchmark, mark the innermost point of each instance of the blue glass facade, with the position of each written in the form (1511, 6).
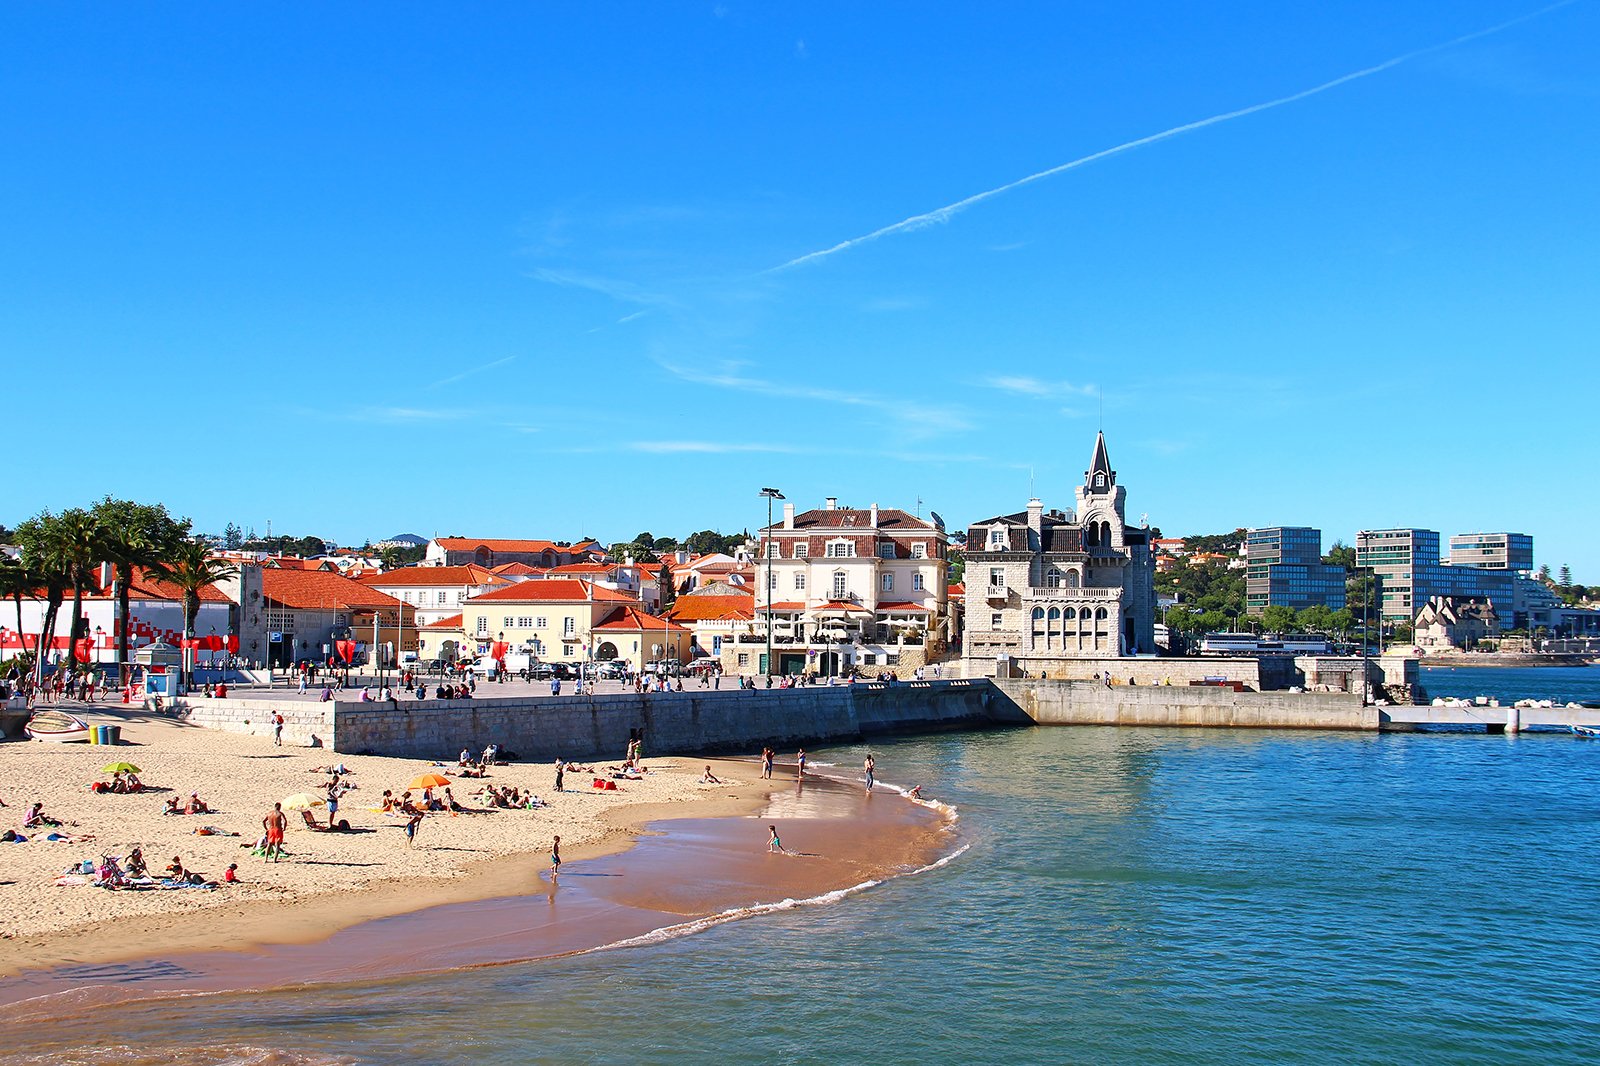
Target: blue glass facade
(1284, 568)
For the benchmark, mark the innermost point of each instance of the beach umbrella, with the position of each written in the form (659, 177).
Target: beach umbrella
(121, 768)
(303, 801)
(429, 781)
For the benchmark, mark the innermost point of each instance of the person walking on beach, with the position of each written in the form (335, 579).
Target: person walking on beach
(773, 843)
(560, 772)
(277, 726)
(871, 766)
(274, 823)
(555, 857)
(411, 827)
(767, 755)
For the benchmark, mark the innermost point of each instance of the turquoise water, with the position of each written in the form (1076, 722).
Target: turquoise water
(1128, 896)
(1578, 684)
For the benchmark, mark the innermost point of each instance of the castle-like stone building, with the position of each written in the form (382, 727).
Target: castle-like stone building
(1055, 592)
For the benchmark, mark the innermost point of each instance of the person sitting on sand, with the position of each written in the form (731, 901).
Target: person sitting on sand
(136, 866)
(327, 694)
(175, 869)
(117, 785)
(709, 778)
(174, 806)
(196, 805)
(36, 817)
(407, 804)
(131, 782)
(389, 802)
(231, 874)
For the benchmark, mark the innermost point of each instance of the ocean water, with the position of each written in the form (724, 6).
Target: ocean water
(1125, 895)
(1577, 684)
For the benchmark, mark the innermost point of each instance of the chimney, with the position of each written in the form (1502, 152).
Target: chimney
(833, 503)
(874, 520)
(1035, 513)
(788, 516)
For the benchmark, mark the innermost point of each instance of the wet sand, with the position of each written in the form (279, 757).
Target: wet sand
(681, 874)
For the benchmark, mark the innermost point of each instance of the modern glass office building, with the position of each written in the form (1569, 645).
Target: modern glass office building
(1409, 570)
(1284, 568)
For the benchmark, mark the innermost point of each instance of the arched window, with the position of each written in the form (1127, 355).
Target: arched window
(1071, 614)
(1055, 613)
(1038, 614)
(1072, 579)
(1099, 614)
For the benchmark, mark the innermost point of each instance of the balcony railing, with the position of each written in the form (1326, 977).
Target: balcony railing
(997, 591)
(1065, 592)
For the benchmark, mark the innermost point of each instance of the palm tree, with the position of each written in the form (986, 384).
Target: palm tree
(79, 538)
(136, 536)
(45, 553)
(16, 582)
(191, 567)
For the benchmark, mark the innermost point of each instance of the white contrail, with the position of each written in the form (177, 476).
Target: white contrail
(943, 214)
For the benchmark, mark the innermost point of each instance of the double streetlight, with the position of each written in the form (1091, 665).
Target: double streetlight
(766, 551)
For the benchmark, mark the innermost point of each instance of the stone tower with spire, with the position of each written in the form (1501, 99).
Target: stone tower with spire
(1059, 592)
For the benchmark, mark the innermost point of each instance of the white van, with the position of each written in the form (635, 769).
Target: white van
(515, 661)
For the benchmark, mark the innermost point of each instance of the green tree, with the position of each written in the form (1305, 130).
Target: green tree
(1544, 573)
(1566, 578)
(232, 537)
(135, 536)
(82, 544)
(45, 554)
(191, 568)
(958, 565)
(16, 583)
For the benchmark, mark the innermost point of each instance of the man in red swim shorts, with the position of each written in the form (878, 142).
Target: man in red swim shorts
(275, 823)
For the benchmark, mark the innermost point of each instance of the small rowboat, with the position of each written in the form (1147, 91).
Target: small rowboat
(1588, 732)
(57, 726)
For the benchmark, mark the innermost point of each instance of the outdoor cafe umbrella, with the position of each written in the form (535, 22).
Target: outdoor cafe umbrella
(303, 801)
(429, 781)
(121, 768)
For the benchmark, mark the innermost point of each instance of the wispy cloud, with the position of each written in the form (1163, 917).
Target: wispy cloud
(404, 415)
(1044, 390)
(705, 447)
(615, 288)
(453, 378)
(914, 418)
(944, 214)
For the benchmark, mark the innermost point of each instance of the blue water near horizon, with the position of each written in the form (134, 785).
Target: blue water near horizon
(1563, 684)
(1129, 895)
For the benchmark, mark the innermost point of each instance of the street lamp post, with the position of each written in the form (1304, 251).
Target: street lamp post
(766, 551)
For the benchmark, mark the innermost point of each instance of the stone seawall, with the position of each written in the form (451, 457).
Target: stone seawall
(597, 727)
(1088, 703)
(306, 724)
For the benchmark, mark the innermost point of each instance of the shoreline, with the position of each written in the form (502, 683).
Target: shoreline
(242, 925)
(672, 876)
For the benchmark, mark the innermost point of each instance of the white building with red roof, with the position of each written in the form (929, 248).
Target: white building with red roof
(155, 614)
(491, 552)
(571, 620)
(436, 592)
(847, 588)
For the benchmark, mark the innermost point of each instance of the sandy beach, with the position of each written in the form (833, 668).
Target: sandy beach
(327, 881)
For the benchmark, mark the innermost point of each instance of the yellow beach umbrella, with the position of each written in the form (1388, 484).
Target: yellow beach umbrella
(429, 781)
(303, 801)
(121, 768)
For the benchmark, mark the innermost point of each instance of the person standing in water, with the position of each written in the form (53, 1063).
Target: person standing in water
(774, 844)
(767, 755)
(870, 767)
(800, 764)
(555, 857)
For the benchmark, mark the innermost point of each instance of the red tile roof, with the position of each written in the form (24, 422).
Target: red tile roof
(554, 590)
(783, 605)
(452, 622)
(147, 586)
(903, 605)
(586, 568)
(634, 620)
(712, 608)
(463, 544)
(412, 576)
(319, 588)
(856, 518)
(518, 570)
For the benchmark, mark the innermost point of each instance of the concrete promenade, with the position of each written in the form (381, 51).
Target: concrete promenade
(525, 719)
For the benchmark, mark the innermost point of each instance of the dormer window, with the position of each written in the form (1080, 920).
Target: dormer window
(800, 550)
(886, 550)
(919, 551)
(840, 549)
(997, 540)
(772, 549)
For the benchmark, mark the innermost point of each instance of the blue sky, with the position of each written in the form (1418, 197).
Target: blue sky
(518, 269)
